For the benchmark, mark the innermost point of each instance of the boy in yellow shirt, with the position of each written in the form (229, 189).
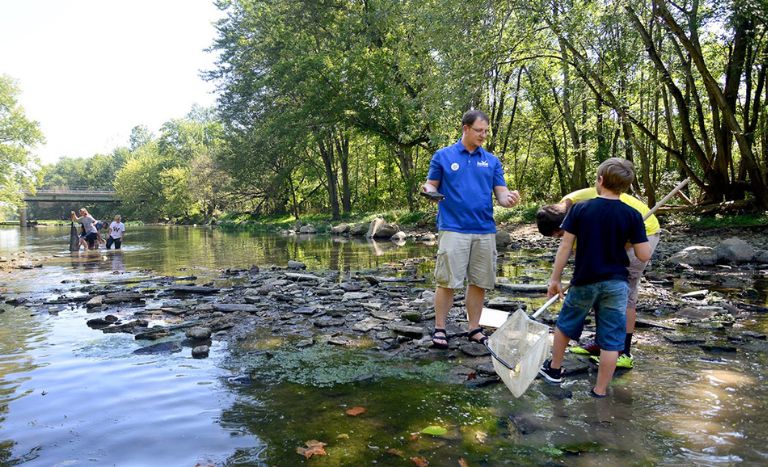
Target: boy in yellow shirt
(549, 219)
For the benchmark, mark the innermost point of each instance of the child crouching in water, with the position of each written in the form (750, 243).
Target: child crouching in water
(603, 227)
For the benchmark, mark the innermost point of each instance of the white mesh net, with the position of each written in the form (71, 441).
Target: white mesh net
(522, 343)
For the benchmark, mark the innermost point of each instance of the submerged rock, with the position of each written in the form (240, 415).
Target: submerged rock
(161, 348)
(201, 351)
(198, 333)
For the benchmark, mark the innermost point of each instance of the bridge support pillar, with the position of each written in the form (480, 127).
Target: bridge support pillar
(23, 215)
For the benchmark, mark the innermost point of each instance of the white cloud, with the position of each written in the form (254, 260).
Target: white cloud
(90, 70)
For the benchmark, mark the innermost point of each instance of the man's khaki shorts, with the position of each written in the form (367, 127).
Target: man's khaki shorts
(465, 256)
(636, 268)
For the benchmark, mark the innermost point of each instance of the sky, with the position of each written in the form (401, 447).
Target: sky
(91, 70)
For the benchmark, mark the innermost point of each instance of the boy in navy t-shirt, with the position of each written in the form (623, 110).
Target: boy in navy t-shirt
(603, 226)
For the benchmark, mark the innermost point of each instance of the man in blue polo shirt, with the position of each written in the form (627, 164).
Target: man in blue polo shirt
(467, 175)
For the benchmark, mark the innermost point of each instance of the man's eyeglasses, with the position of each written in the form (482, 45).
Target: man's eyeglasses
(480, 131)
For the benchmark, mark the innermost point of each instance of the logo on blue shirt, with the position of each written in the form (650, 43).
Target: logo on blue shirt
(482, 163)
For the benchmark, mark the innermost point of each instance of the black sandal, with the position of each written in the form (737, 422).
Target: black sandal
(483, 340)
(437, 345)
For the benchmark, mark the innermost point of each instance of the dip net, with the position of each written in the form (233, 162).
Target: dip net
(519, 348)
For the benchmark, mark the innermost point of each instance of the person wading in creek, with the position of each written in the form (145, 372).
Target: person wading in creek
(467, 176)
(89, 223)
(549, 220)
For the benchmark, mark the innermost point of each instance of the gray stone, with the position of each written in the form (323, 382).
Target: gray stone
(427, 237)
(308, 229)
(404, 330)
(398, 236)
(298, 277)
(355, 296)
(193, 289)
(503, 239)
(696, 314)
(96, 301)
(198, 333)
(235, 307)
(379, 228)
(474, 349)
(327, 322)
(305, 310)
(161, 348)
(696, 294)
(684, 339)
(384, 315)
(201, 351)
(413, 316)
(296, 265)
(367, 324)
(734, 250)
(122, 297)
(97, 323)
(358, 230)
(340, 229)
(153, 334)
(505, 304)
(761, 257)
(351, 286)
(695, 256)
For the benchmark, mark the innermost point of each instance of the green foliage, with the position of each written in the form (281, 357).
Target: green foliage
(18, 136)
(723, 221)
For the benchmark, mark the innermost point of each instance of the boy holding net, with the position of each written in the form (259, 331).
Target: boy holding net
(603, 227)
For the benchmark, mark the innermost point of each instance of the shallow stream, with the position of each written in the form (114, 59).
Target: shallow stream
(71, 395)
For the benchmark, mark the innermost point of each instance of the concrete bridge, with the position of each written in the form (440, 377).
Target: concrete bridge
(66, 195)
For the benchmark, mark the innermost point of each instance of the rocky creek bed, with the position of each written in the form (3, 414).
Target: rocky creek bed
(389, 311)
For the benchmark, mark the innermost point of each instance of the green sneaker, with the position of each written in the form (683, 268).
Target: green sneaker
(590, 348)
(625, 361)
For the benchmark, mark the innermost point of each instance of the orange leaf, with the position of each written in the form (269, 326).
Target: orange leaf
(395, 452)
(355, 411)
(420, 461)
(414, 436)
(462, 462)
(314, 448)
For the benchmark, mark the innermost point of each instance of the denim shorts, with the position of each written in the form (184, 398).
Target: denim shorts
(609, 300)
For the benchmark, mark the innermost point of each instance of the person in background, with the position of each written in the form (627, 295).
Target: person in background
(468, 176)
(116, 233)
(603, 226)
(89, 224)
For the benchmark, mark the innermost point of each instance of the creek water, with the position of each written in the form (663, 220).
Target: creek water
(70, 395)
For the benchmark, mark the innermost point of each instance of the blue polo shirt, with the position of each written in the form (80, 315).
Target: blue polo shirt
(467, 180)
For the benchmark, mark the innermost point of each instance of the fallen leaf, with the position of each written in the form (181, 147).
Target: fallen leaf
(314, 448)
(395, 452)
(434, 430)
(471, 376)
(420, 461)
(355, 411)
(414, 436)
(343, 436)
(462, 462)
(481, 437)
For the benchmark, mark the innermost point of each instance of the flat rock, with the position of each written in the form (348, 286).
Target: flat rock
(695, 256)
(327, 322)
(684, 339)
(384, 315)
(355, 296)
(734, 250)
(718, 348)
(351, 286)
(153, 334)
(506, 304)
(235, 307)
(305, 310)
(404, 330)
(193, 289)
(298, 277)
(161, 348)
(367, 324)
(696, 314)
(474, 349)
(122, 297)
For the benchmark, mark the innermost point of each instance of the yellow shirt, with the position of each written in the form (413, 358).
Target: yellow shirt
(651, 224)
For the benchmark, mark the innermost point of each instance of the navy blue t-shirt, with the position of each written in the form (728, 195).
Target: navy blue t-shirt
(467, 180)
(602, 228)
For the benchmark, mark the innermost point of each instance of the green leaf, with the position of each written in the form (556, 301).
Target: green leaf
(434, 430)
